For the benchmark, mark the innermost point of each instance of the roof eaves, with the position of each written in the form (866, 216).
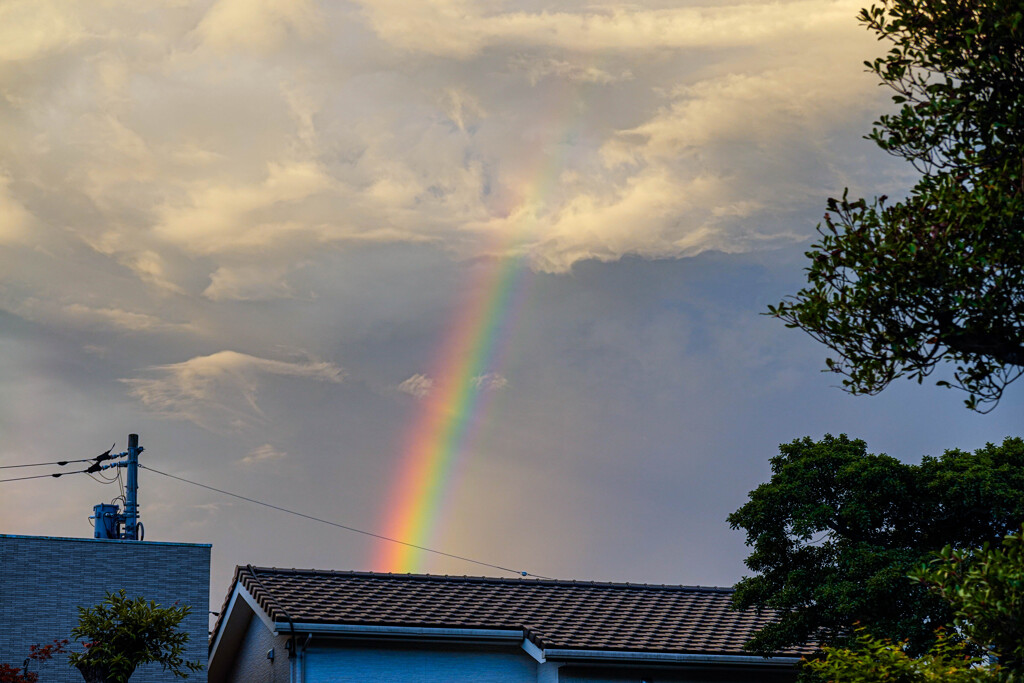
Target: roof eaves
(388, 632)
(224, 607)
(634, 656)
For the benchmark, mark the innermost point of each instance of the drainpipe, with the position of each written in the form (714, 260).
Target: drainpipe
(302, 658)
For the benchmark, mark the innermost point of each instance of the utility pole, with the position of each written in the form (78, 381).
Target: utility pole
(131, 503)
(109, 522)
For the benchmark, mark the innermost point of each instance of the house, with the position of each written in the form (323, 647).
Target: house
(44, 580)
(310, 626)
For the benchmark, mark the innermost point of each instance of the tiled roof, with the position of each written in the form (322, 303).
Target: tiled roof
(552, 614)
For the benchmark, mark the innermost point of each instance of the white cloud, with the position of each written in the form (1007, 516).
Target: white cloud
(16, 222)
(248, 283)
(418, 385)
(261, 454)
(238, 216)
(210, 150)
(219, 390)
(121, 319)
(463, 28)
(257, 24)
(538, 68)
(490, 381)
(31, 29)
(461, 107)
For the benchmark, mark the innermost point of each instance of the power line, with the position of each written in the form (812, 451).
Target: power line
(100, 479)
(347, 528)
(40, 476)
(40, 464)
(120, 484)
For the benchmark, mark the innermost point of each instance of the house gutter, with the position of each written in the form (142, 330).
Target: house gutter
(424, 632)
(517, 637)
(669, 657)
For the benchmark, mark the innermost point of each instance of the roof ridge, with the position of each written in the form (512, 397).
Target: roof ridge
(499, 580)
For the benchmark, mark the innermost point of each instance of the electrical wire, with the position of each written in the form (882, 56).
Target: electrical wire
(40, 464)
(106, 479)
(40, 476)
(347, 528)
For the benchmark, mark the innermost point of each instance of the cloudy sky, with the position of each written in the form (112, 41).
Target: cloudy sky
(277, 237)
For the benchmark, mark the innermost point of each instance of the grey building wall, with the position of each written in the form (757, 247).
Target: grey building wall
(44, 580)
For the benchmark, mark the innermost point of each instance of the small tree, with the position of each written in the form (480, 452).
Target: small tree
(37, 653)
(120, 634)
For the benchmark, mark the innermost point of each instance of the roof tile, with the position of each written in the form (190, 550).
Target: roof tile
(553, 614)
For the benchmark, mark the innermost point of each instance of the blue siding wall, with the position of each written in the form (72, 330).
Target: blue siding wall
(438, 663)
(44, 580)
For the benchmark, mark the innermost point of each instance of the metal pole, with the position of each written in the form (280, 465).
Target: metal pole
(131, 503)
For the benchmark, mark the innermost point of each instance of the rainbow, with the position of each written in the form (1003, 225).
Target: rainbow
(474, 347)
(439, 435)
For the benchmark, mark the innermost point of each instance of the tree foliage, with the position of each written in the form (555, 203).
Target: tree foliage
(37, 653)
(985, 590)
(873, 660)
(836, 530)
(896, 289)
(985, 587)
(122, 633)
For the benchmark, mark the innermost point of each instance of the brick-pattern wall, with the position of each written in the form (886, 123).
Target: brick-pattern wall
(44, 580)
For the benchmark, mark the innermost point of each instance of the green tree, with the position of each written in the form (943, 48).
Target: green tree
(122, 633)
(896, 289)
(877, 660)
(985, 591)
(836, 530)
(985, 588)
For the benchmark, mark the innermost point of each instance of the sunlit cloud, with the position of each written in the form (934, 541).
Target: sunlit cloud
(261, 454)
(121, 319)
(31, 29)
(463, 28)
(146, 144)
(490, 381)
(232, 217)
(15, 220)
(418, 385)
(257, 24)
(219, 391)
(249, 283)
(538, 68)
